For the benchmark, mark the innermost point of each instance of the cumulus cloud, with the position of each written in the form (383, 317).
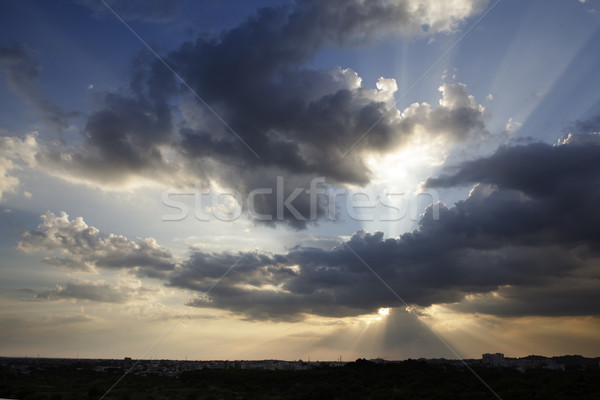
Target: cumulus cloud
(526, 236)
(535, 170)
(128, 140)
(300, 121)
(8, 183)
(13, 153)
(81, 247)
(527, 233)
(122, 142)
(335, 283)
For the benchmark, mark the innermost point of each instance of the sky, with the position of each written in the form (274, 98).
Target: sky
(299, 179)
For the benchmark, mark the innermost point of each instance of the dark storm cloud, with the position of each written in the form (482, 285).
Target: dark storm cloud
(525, 242)
(22, 75)
(284, 111)
(558, 297)
(335, 283)
(122, 140)
(299, 121)
(536, 169)
(537, 193)
(530, 233)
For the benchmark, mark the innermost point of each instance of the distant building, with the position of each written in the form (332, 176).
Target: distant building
(494, 360)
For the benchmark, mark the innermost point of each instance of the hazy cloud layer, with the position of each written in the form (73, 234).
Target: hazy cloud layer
(22, 75)
(99, 291)
(590, 125)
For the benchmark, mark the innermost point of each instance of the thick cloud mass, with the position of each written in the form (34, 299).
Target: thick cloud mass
(537, 169)
(297, 122)
(526, 237)
(528, 233)
(121, 141)
(304, 121)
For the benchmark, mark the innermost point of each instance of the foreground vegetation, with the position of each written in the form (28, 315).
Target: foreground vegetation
(359, 380)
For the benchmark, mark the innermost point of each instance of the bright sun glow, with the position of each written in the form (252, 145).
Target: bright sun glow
(405, 162)
(383, 312)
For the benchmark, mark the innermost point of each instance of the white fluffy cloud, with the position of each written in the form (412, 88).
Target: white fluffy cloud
(82, 247)
(8, 183)
(14, 152)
